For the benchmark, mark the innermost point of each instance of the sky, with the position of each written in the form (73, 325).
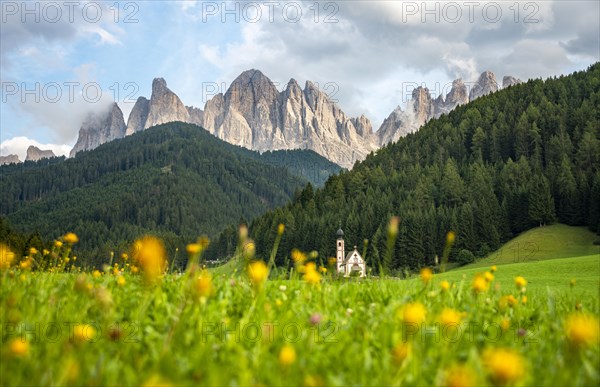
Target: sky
(61, 60)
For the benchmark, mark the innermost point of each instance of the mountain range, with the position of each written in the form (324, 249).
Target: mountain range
(252, 113)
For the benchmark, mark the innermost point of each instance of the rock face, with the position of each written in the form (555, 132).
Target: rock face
(165, 106)
(35, 154)
(507, 81)
(485, 85)
(255, 115)
(10, 159)
(99, 128)
(138, 116)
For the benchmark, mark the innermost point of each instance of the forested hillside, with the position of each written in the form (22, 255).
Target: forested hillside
(523, 157)
(174, 180)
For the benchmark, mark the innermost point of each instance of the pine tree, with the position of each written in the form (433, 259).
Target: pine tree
(540, 201)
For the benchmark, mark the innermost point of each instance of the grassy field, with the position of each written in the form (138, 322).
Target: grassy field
(542, 243)
(133, 325)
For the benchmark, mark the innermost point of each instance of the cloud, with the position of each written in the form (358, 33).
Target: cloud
(18, 146)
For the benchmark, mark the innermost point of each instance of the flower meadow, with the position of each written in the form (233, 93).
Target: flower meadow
(139, 321)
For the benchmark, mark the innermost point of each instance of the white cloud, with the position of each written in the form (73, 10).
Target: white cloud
(18, 146)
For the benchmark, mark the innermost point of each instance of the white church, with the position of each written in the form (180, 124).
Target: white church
(353, 262)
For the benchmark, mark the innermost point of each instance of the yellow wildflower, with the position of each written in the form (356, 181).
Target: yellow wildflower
(258, 273)
(524, 300)
(151, 255)
(33, 251)
(96, 274)
(489, 277)
(204, 286)
(6, 257)
(193, 248)
(582, 330)
(520, 282)
(505, 366)
(280, 228)
(493, 269)
(121, 280)
(71, 238)
(480, 284)
(505, 324)
(445, 285)
(450, 317)
(393, 227)
(450, 237)
(18, 347)
(287, 355)
(414, 313)
(400, 353)
(311, 275)
(460, 375)
(298, 256)
(83, 333)
(426, 275)
(58, 244)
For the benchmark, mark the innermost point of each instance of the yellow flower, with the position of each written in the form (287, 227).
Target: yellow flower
(323, 269)
(520, 282)
(121, 280)
(450, 237)
(58, 244)
(460, 375)
(311, 275)
(445, 285)
(509, 300)
(505, 366)
(18, 347)
(33, 251)
(582, 330)
(505, 324)
(280, 228)
(193, 248)
(524, 300)
(83, 333)
(426, 275)
(45, 252)
(400, 353)
(480, 284)
(96, 274)
(287, 355)
(258, 273)
(493, 269)
(71, 238)
(450, 317)
(298, 256)
(6, 257)
(204, 286)
(489, 277)
(150, 254)
(249, 250)
(125, 256)
(414, 313)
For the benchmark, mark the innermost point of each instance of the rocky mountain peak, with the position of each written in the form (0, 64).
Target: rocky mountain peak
(34, 154)
(508, 80)
(100, 127)
(422, 104)
(9, 159)
(485, 85)
(165, 106)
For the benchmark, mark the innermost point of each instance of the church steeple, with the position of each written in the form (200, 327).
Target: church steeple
(340, 251)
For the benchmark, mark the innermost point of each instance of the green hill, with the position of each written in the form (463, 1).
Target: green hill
(175, 180)
(489, 170)
(542, 243)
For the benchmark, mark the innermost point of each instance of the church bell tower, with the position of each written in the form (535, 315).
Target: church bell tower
(340, 249)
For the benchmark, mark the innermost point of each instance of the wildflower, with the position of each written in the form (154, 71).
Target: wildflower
(323, 269)
(71, 238)
(96, 274)
(124, 256)
(258, 273)
(400, 353)
(450, 237)
(83, 333)
(243, 233)
(524, 300)
(520, 282)
(506, 301)
(489, 277)
(298, 256)
(493, 269)
(311, 275)
(150, 254)
(33, 251)
(582, 330)
(349, 312)
(426, 275)
(505, 324)
(18, 347)
(505, 366)
(460, 376)
(480, 284)
(287, 355)
(282, 288)
(332, 261)
(445, 285)
(6, 257)
(450, 317)
(193, 248)
(121, 280)
(58, 244)
(414, 313)
(203, 285)
(315, 319)
(249, 250)
(280, 228)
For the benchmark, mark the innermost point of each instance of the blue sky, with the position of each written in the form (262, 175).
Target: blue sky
(366, 55)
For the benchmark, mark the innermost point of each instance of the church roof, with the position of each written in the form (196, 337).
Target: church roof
(351, 253)
(340, 233)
